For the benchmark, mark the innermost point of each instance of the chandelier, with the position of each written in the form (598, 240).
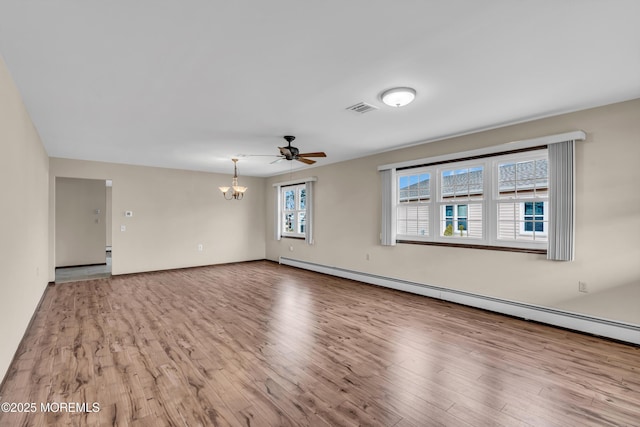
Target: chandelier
(235, 191)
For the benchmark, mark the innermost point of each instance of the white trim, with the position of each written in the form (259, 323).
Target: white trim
(296, 181)
(580, 322)
(494, 149)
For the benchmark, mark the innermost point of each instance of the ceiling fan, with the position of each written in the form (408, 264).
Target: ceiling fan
(292, 153)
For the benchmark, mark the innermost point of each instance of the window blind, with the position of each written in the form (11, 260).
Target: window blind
(561, 201)
(388, 232)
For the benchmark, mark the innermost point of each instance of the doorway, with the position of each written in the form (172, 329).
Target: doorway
(83, 229)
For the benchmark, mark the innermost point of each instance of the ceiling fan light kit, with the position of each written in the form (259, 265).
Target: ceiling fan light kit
(292, 153)
(398, 96)
(238, 190)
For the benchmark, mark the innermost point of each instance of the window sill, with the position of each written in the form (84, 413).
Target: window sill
(292, 237)
(467, 246)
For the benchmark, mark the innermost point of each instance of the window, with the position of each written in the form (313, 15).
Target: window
(413, 204)
(466, 185)
(527, 199)
(522, 198)
(294, 210)
(497, 200)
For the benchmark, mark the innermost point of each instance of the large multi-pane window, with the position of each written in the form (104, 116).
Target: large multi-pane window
(497, 201)
(294, 210)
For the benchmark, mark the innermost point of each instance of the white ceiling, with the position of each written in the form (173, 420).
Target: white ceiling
(189, 84)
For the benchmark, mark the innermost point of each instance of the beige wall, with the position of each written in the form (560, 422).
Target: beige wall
(80, 221)
(347, 222)
(23, 219)
(173, 211)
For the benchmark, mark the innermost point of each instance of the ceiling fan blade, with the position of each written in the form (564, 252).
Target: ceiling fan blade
(307, 161)
(316, 154)
(277, 160)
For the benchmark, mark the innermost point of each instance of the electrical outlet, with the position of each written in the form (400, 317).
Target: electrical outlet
(367, 257)
(200, 247)
(582, 287)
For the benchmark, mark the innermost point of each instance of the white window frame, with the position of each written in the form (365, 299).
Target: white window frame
(308, 235)
(416, 203)
(561, 155)
(297, 188)
(496, 199)
(441, 203)
(489, 202)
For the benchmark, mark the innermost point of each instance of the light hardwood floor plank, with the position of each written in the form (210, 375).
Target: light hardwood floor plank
(260, 344)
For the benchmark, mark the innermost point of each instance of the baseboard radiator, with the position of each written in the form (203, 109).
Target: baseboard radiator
(579, 322)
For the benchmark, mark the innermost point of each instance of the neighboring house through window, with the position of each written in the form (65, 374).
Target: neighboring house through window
(518, 195)
(498, 200)
(523, 191)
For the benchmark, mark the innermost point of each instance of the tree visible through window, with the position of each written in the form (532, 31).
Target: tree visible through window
(455, 218)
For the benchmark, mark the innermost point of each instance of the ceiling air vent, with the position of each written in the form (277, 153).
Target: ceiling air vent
(362, 107)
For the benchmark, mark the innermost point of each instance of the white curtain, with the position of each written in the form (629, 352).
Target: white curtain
(308, 231)
(561, 201)
(388, 232)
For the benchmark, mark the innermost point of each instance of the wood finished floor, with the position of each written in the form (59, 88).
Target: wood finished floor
(259, 344)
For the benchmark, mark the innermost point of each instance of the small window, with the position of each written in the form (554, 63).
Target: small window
(294, 205)
(534, 217)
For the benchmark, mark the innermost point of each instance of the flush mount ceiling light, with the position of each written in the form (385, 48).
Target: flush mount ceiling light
(398, 96)
(235, 192)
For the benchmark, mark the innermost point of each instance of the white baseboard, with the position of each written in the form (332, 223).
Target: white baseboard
(579, 322)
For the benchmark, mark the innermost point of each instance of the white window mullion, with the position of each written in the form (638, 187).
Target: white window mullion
(437, 207)
(434, 211)
(491, 205)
